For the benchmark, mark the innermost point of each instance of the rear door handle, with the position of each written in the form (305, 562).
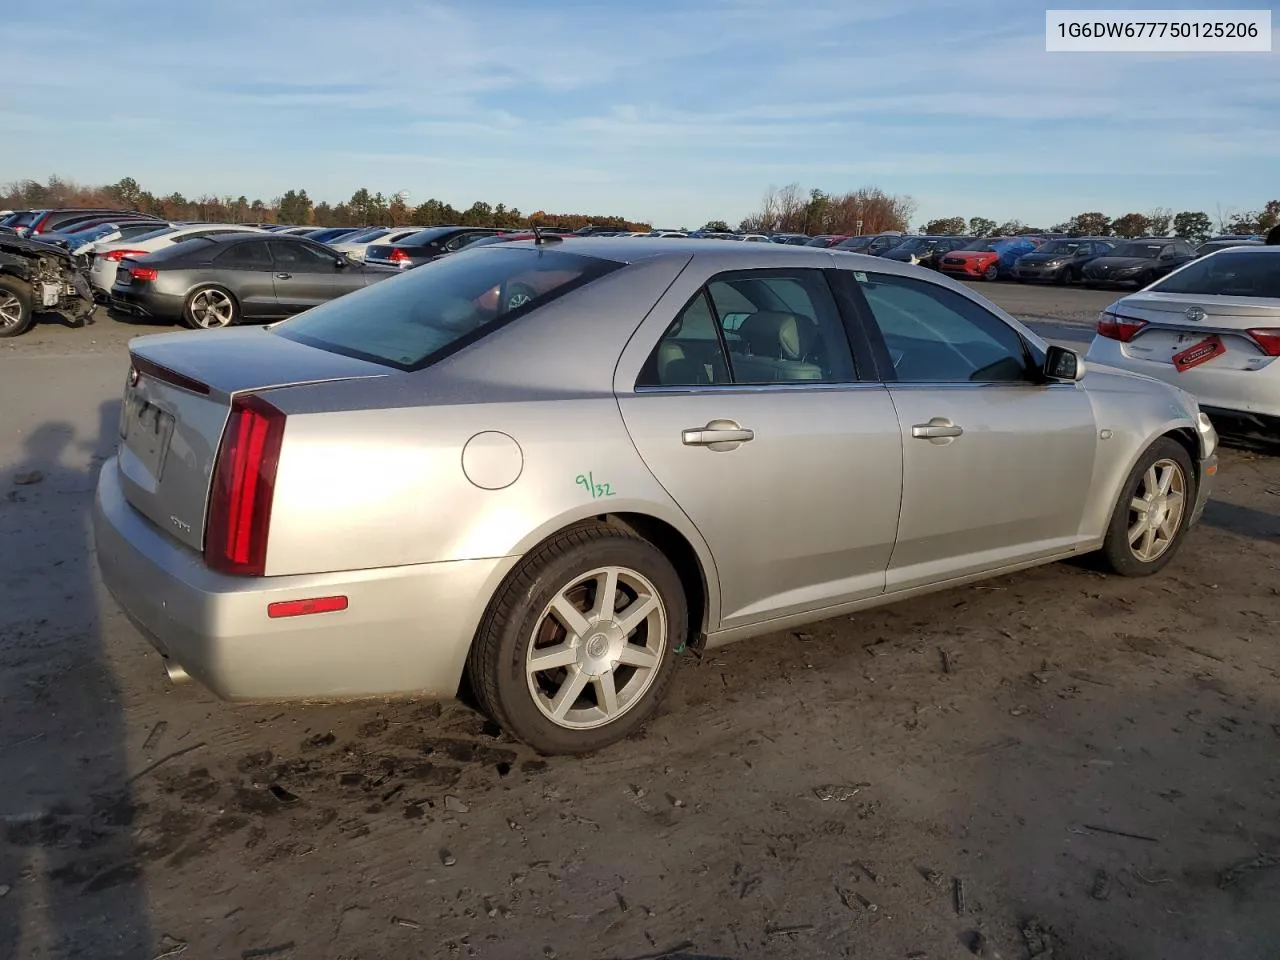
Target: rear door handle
(939, 429)
(284, 276)
(715, 433)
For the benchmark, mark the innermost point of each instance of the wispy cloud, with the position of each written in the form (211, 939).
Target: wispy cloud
(671, 110)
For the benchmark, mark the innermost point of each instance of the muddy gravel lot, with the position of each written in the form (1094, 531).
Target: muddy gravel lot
(1052, 765)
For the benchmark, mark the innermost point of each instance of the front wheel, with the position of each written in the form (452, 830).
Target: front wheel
(991, 273)
(579, 644)
(17, 304)
(208, 308)
(1152, 513)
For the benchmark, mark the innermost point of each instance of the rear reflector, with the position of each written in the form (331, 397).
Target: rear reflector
(244, 480)
(1118, 328)
(143, 273)
(300, 608)
(1268, 339)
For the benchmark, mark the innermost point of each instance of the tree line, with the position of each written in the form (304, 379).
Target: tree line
(1160, 222)
(294, 207)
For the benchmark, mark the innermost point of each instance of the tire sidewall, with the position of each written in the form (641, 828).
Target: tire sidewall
(1116, 548)
(26, 300)
(991, 274)
(515, 702)
(189, 321)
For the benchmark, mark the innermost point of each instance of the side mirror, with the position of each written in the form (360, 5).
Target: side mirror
(339, 261)
(1062, 364)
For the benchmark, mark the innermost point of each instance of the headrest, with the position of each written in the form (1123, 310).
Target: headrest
(783, 336)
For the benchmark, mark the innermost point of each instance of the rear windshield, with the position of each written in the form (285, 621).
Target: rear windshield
(408, 321)
(1229, 273)
(365, 236)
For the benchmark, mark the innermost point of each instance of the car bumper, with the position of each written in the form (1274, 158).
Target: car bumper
(1251, 392)
(102, 276)
(965, 270)
(1036, 273)
(1111, 281)
(405, 630)
(147, 303)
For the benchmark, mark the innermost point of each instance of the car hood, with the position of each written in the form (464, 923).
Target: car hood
(1043, 257)
(972, 254)
(1120, 263)
(31, 248)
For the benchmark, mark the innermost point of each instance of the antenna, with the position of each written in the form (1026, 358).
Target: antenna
(537, 234)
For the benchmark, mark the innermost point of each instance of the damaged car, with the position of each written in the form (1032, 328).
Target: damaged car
(39, 277)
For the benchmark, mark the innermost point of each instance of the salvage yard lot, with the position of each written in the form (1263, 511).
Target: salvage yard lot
(1054, 750)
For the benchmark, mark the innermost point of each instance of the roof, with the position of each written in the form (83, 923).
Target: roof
(634, 249)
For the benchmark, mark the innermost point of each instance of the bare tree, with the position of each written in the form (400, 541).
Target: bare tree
(1159, 220)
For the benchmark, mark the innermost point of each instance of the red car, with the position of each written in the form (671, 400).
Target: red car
(986, 259)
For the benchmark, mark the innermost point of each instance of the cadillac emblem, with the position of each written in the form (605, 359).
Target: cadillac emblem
(1195, 314)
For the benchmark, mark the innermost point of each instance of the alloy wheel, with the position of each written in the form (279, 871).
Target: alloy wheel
(597, 648)
(212, 308)
(1155, 512)
(10, 309)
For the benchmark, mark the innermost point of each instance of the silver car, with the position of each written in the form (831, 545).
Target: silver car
(1212, 328)
(546, 468)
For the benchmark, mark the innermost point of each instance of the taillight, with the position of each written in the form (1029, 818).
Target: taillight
(143, 273)
(398, 256)
(117, 255)
(244, 480)
(1268, 339)
(1118, 328)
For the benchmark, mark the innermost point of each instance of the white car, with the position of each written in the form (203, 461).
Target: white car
(107, 256)
(1211, 327)
(355, 245)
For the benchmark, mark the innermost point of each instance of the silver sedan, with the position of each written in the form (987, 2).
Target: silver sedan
(545, 468)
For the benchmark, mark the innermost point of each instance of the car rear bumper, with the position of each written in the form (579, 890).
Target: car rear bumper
(148, 303)
(1255, 392)
(405, 630)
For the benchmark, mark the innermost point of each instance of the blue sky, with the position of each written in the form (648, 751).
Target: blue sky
(669, 111)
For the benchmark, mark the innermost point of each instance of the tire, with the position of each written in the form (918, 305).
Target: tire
(568, 571)
(991, 274)
(210, 307)
(17, 303)
(1062, 277)
(1119, 553)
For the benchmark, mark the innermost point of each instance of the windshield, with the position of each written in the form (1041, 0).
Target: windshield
(912, 245)
(410, 320)
(982, 246)
(1228, 273)
(1060, 247)
(366, 236)
(1144, 251)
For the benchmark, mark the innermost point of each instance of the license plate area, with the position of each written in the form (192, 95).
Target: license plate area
(147, 433)
(1198, 353)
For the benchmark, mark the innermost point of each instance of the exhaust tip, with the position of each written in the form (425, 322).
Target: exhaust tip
(175, 671)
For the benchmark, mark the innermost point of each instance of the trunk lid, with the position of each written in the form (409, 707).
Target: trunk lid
(1176, 322)
(177, 399)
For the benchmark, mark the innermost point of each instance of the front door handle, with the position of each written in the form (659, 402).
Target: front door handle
(717, 435)
(937, 430)
(284, 276)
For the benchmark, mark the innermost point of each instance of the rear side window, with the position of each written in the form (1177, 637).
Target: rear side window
(249, 255)
(1231, 273)
(411, 320)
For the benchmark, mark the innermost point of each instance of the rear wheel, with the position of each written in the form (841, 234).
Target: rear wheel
(1152, 512)
(579, 644)
(208, 308)
(16, 306)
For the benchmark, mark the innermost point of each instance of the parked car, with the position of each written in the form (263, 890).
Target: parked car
(329, 235)
(793, 239)
(91, 231)
(47, 221)
(986, 259)
(357, 245)
(1140, 262)
(397, 487)
(666, 234)
(1060, 261)
(221, 279)
(424, 246)
(826, 240)
(35, 277)
(873, 244)
(924, 251)
(1212, 328)
(107, 256)
(1226, 243)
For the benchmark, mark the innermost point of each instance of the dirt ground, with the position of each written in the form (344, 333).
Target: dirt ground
(1054, 764)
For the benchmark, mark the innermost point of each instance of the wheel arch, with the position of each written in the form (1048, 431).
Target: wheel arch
(196, 287)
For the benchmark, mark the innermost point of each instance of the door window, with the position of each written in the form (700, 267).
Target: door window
(937, 335)
(755, 328)
(249, 255)
(301, 257)
(462, 240)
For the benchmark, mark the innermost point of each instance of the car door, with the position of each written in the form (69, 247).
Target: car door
(307, 274)
(743, 399)
(997, 462)
(245, 268)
